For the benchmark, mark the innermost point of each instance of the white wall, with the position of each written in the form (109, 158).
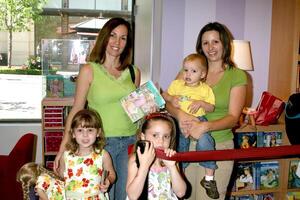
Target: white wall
(181, 22)
(12, 132)
(247, 20)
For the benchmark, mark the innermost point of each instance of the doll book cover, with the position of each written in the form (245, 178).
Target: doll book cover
(245, 197)
(142, 101)
(269, 139)
(293, 196)
(245, 140)
(294, 178)
(245, 179)
(267, 175)
(55, 86)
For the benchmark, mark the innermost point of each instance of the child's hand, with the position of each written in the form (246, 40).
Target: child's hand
(175, 101)
(148, 156)
(169, 153)
(195, 106)
(104, 185)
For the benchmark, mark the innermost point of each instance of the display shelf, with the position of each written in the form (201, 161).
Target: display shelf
(281, 190)
(54, 114)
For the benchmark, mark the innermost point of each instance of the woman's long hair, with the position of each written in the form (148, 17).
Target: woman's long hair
(98, 53)
(225, 37)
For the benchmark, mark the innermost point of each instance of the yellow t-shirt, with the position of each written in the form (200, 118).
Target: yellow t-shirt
(187, 94)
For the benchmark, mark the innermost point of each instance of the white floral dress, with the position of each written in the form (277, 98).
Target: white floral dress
(82, 179)
(159, 185)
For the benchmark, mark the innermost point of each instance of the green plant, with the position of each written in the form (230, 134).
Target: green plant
(21, 71)
(34, 62)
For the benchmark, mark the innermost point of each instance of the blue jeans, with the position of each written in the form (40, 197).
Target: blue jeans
(204, 143)
(117, 148)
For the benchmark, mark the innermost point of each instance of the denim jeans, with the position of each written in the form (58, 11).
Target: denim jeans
(204, 143)
(117, 148)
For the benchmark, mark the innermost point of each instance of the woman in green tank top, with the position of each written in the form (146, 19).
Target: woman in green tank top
(229, 87)
(102, 83)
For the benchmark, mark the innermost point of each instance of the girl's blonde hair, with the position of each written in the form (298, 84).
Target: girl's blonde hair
(28, 175)
(201, 62)
(159, 116)
(86, 118)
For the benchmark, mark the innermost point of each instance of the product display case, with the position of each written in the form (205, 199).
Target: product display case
(61, 59)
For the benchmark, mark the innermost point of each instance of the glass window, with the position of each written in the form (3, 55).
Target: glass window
(77, 4)
(23, 93)
(53, 4)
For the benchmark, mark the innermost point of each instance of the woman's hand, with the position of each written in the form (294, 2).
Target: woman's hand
(56, 162)
(184, 121)
(195, 128)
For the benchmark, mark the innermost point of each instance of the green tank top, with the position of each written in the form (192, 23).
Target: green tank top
(231, 78)
(104, 96)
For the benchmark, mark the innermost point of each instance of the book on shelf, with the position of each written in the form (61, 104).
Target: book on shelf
(245, 140)
(269, 139)
(268, 196)
(55, 86)
(294, 177)
(245, 179)
(267, 175)
(142, 101)
(245, 197)
(293, 196)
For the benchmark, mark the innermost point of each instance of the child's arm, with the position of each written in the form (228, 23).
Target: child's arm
(107, 165)
(197, 104)
(137, 176)
(174, 100)
(178, 184)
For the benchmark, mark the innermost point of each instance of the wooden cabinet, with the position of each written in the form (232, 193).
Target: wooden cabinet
(54, 113)
(279, 192)
(284, 48)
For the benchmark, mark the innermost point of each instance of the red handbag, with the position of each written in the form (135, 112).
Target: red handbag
(269, 109)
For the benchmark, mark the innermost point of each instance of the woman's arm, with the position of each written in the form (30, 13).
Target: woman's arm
(62, 166)
(83, 81)
(236, 104)
(108, 165)
(137, 81)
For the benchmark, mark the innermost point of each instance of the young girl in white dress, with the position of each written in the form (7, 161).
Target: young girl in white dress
(82, 164)
(163, 178)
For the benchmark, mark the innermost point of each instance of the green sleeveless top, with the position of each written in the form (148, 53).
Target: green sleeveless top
(231, 78)
(104, 96)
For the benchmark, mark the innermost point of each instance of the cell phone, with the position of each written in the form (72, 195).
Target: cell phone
(104, 175)
(142, 145)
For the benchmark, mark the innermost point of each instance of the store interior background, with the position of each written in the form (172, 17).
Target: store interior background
(166, 31)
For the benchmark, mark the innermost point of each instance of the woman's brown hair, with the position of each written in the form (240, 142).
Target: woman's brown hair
(225, 37)
(98, 52)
